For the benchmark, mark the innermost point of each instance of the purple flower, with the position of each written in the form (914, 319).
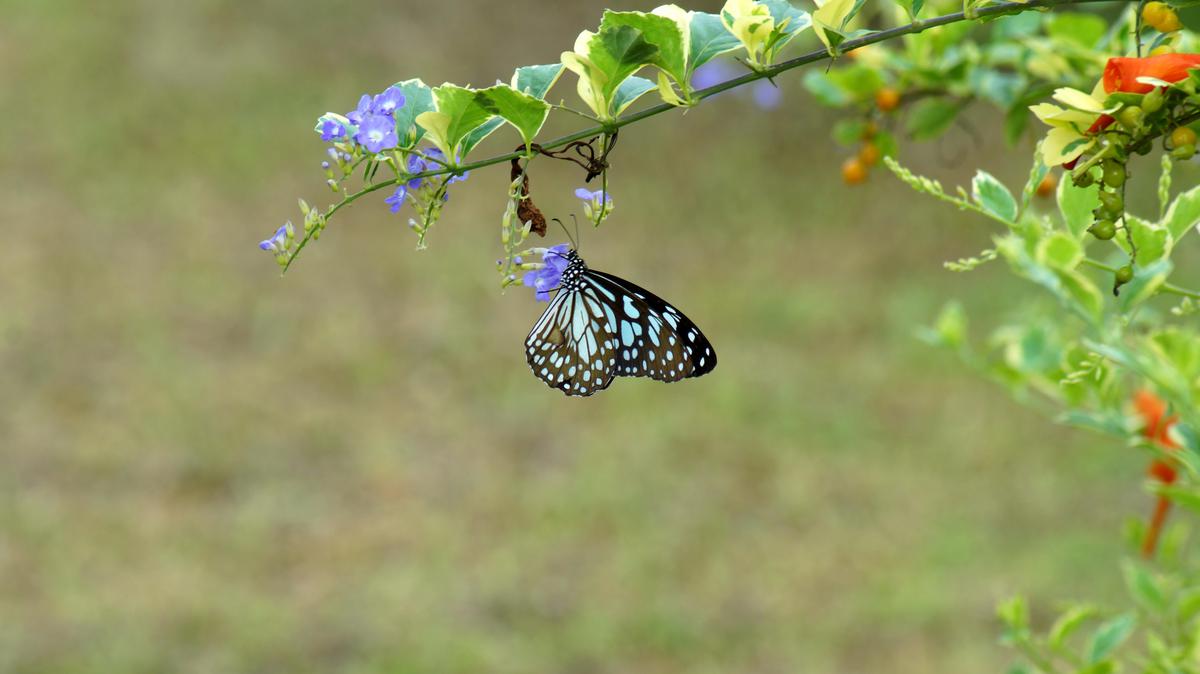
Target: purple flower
(713, 73)
(364, 108)
(278, 243)
(331, 127)
(548, 276)
(766, 95)
(377, 133)
(387, 102)
(593, 198)
(397, 199)
(418, 163)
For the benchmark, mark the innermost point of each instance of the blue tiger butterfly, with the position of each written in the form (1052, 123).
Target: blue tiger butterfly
(599, 327)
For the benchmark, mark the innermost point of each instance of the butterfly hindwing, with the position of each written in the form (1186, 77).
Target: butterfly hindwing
(600, 326)
(656, 339)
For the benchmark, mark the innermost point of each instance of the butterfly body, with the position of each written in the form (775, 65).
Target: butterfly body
(599, 327)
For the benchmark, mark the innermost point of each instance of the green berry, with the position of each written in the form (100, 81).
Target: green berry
(1183, 152)
(1114, 174)
(1124, 275)
(1111, 202)
(1103, 230)
(1084, 179)
(1130, 117)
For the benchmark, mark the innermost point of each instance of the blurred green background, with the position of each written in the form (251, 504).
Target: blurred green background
(209, 469)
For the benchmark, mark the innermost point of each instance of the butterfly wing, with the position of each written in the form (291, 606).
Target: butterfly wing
(654, 339)
(572, 346)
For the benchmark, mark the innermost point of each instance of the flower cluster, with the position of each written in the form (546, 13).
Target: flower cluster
(431, 160)
(280, 243)
(545, 276)
(372, 124)
(597, 205)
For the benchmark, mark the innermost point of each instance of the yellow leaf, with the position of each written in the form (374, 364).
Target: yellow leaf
(667, 91)
(750, 22)
(437, 129)
(1080, 101)
(1062, 144)
(829, 16)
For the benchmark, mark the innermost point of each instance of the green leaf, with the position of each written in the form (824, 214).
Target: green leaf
(1152, 240)
(1001, 88)
(911, 7)
(661, 32)
(993, 196)
(1144, 587)
(1067, 624)
(1076, 205)
(1183, 214)
(709, 39)
(930, 117)
(849, 130)
(951, 328)
(1060, 250)
(1014, 613)
(458, 113)
(1016, 120)
(859, 81)
(617, 52)
(630, 90)
(797, 19)
(533, 80)
(824, 89)
(1110, 635)
(524, 112)
(418, 98)
(1080, 288)
(1078, 28)
(536, 80)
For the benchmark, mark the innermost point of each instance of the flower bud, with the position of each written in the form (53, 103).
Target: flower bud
(1130, 117)
(1152, 101)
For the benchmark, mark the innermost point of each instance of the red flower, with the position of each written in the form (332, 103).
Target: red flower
(1152, 409)
(1156, 428)
(1121, 73)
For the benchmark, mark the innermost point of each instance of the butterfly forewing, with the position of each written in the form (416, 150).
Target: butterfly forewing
(599, 326)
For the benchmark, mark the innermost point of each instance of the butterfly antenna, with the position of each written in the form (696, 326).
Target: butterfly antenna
(576, 221)
(574, 242)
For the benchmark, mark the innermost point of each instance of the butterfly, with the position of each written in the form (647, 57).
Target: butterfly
(599, 327)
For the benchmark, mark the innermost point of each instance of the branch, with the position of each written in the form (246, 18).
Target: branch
(918, 26)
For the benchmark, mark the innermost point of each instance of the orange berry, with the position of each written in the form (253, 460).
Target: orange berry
(887, 99)
(869, 154)
(854, 171)
(1160, 16)
(1152, 11)
(1182, 135)
(1046, 187)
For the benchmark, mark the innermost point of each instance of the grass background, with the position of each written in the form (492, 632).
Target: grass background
(208, 469)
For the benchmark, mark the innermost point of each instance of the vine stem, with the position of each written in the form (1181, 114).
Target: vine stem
(918, 26)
